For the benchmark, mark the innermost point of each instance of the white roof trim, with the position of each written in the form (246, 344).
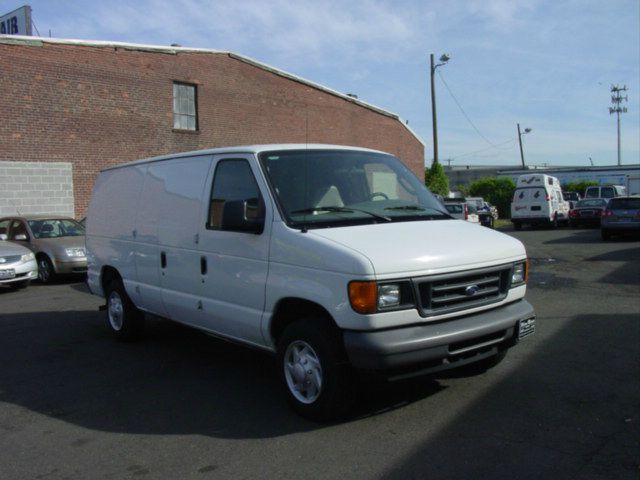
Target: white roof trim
(27, 40)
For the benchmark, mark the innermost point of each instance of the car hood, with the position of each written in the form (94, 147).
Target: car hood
(426, 247)
(9, 249)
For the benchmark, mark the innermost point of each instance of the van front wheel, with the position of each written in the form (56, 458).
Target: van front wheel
(314, 370)
(125, 321)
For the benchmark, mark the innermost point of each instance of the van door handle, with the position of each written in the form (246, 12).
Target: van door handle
(203, 265)
(163, 260)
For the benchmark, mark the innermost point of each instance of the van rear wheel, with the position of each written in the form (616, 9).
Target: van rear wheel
(314, 370)
(125, 321)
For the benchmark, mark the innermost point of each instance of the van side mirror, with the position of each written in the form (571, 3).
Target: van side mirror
(244, 215)
(21, 237)
(3, 236)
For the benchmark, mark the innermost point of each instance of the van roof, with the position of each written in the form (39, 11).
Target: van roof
(251, 149)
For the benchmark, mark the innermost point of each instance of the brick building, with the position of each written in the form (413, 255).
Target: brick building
(71, 108)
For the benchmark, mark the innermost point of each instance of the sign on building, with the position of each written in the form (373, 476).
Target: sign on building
(17, 22)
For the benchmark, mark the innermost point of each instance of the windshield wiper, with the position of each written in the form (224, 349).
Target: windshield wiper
(406, 207)
(340, 210)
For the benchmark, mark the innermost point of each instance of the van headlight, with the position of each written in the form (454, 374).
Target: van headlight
(519, 274)
(372, 297)
(27, 257)
(75, 252)
(388, 296)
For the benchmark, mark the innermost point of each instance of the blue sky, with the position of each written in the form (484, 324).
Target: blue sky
(547, 65)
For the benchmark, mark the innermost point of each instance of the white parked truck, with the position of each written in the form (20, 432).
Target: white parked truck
(537, 200)
(334, 259)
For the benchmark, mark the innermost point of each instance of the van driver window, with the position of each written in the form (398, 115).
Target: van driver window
(233, 181)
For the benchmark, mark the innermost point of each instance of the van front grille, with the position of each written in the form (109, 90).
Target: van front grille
(454, 292)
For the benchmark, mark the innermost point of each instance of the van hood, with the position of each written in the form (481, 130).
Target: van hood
(426, 247)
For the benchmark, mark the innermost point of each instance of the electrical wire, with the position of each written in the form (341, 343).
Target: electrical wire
(34, 25)
(465, 113)
(499, 146)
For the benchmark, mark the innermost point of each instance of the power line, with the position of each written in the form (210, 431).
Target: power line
(499, 146)
(465, 113)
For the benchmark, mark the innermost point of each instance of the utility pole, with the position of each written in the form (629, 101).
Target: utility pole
(526, 130)
(443, 60)
(616, 101)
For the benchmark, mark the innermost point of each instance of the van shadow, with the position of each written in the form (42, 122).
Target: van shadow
(66, 365)
(569, 410)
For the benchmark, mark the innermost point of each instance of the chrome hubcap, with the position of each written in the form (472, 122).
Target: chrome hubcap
(303, 372)
(43, 270)
(115, 311)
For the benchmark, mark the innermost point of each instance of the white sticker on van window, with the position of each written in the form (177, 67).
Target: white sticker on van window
(385, 182)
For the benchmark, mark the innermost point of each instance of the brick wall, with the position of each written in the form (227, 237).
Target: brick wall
(36, 187)
(97, 106)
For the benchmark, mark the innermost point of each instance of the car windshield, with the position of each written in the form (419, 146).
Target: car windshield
(454, 207)
(325, 188)
(596, 202)
(56, 228)
(624, 204)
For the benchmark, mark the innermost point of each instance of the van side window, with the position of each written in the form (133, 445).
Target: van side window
(233, 181)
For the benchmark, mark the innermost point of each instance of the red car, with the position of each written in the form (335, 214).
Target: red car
(587, 212)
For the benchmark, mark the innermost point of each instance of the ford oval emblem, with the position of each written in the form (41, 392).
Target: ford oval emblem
(471, 290)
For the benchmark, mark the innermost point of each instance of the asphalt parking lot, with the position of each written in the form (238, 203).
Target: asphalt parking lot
(565, 403)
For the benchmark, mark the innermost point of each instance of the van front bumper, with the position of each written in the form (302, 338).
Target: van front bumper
(441, 345)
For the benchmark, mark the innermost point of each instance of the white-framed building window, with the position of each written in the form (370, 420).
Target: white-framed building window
(185, 103)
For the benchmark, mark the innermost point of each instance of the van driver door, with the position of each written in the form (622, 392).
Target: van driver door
(234, 261)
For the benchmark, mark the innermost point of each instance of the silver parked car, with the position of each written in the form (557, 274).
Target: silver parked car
(17, 264)
(622, 215)
(57, 242)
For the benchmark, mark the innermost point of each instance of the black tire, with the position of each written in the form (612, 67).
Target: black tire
(20, 285)
(606, 234)
(320, 363)
(124, 320)
(46, 272)
(517, 225)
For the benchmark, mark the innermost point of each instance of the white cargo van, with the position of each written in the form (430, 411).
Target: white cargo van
(333, 258)
(538, 200)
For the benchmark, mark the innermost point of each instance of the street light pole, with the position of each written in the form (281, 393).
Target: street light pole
(443, 59)
(433, 112)
(526, 130)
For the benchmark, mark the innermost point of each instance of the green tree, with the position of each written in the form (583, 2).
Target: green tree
(579, 187)
(436, 180)
(496, 191)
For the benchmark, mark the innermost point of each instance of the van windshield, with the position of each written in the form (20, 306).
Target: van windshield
(324, 188)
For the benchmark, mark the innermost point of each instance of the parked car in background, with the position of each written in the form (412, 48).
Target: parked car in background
(572, 198)
(17, 264)
(587, 212)
(460, 209)
(57, 242)
(485, 215)
(538, 200)
(605, 191)
(622, 215)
